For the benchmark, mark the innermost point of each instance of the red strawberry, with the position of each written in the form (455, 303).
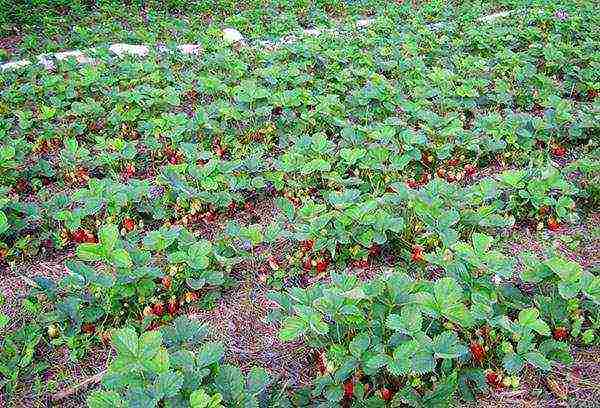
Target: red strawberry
(219, 151)
(231, 207)
(321, 362)
(375, 250)
(128, 224)
(412, 184)
(559, 151)
(454, 161)
(129, 170)
(417, 254)
(79, 236)
(166, 282)
(470, 170)
(361, 263)
(322, 265)
(348, 389)
(560, 333)
(307, 264)
(173, 159)
(386, 394)
(307, 245)
(173, 306)
(158, 309)
(543, 210)
(248, 206)
(88, 328)
(493, 379)
(478, 352)
(553, 224)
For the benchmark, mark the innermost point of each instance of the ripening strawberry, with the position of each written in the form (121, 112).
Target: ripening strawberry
(560, 333)
(322, 265)
(454, 161)
(106, 337)
(348, 389)
(559, 151)
(172, 306)
(166, 282)
(147, 312)
(307, 264)
(173, 159)
(553, 224)
(88, 328)
(158, 309)
(386, 394)
(90, 238)
(417, 254)
(219, 151)
(544, 210)
(478, 352)
(190, 297)
(273, 263)
(128, 224)
(231, 207)
(248, 206)
(412, 184)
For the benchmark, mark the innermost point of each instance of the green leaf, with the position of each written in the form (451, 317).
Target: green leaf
(409, 321)
(528, 317)
(258, 380)
(512, 363)
(293, 327)
(104, 399)
(3, 222)
(359, 344)
(121, 258)
(149, 345)
(210, 353)
(538, 360)
(446, 345)
(200, 399)
(168, 384)
(90, 252)
(481, 243)
(125, 341)
(108, 236)
(229, 382)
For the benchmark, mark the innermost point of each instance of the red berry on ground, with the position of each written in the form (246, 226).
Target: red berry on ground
(158, 309)
(478, 352)
(128, 224)
(560, 333)
(322, 265)
(386, 394)
(173, 306)
(417, 254)
(553, 224)
(559, 151)
(348, 389)
(88, 328)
